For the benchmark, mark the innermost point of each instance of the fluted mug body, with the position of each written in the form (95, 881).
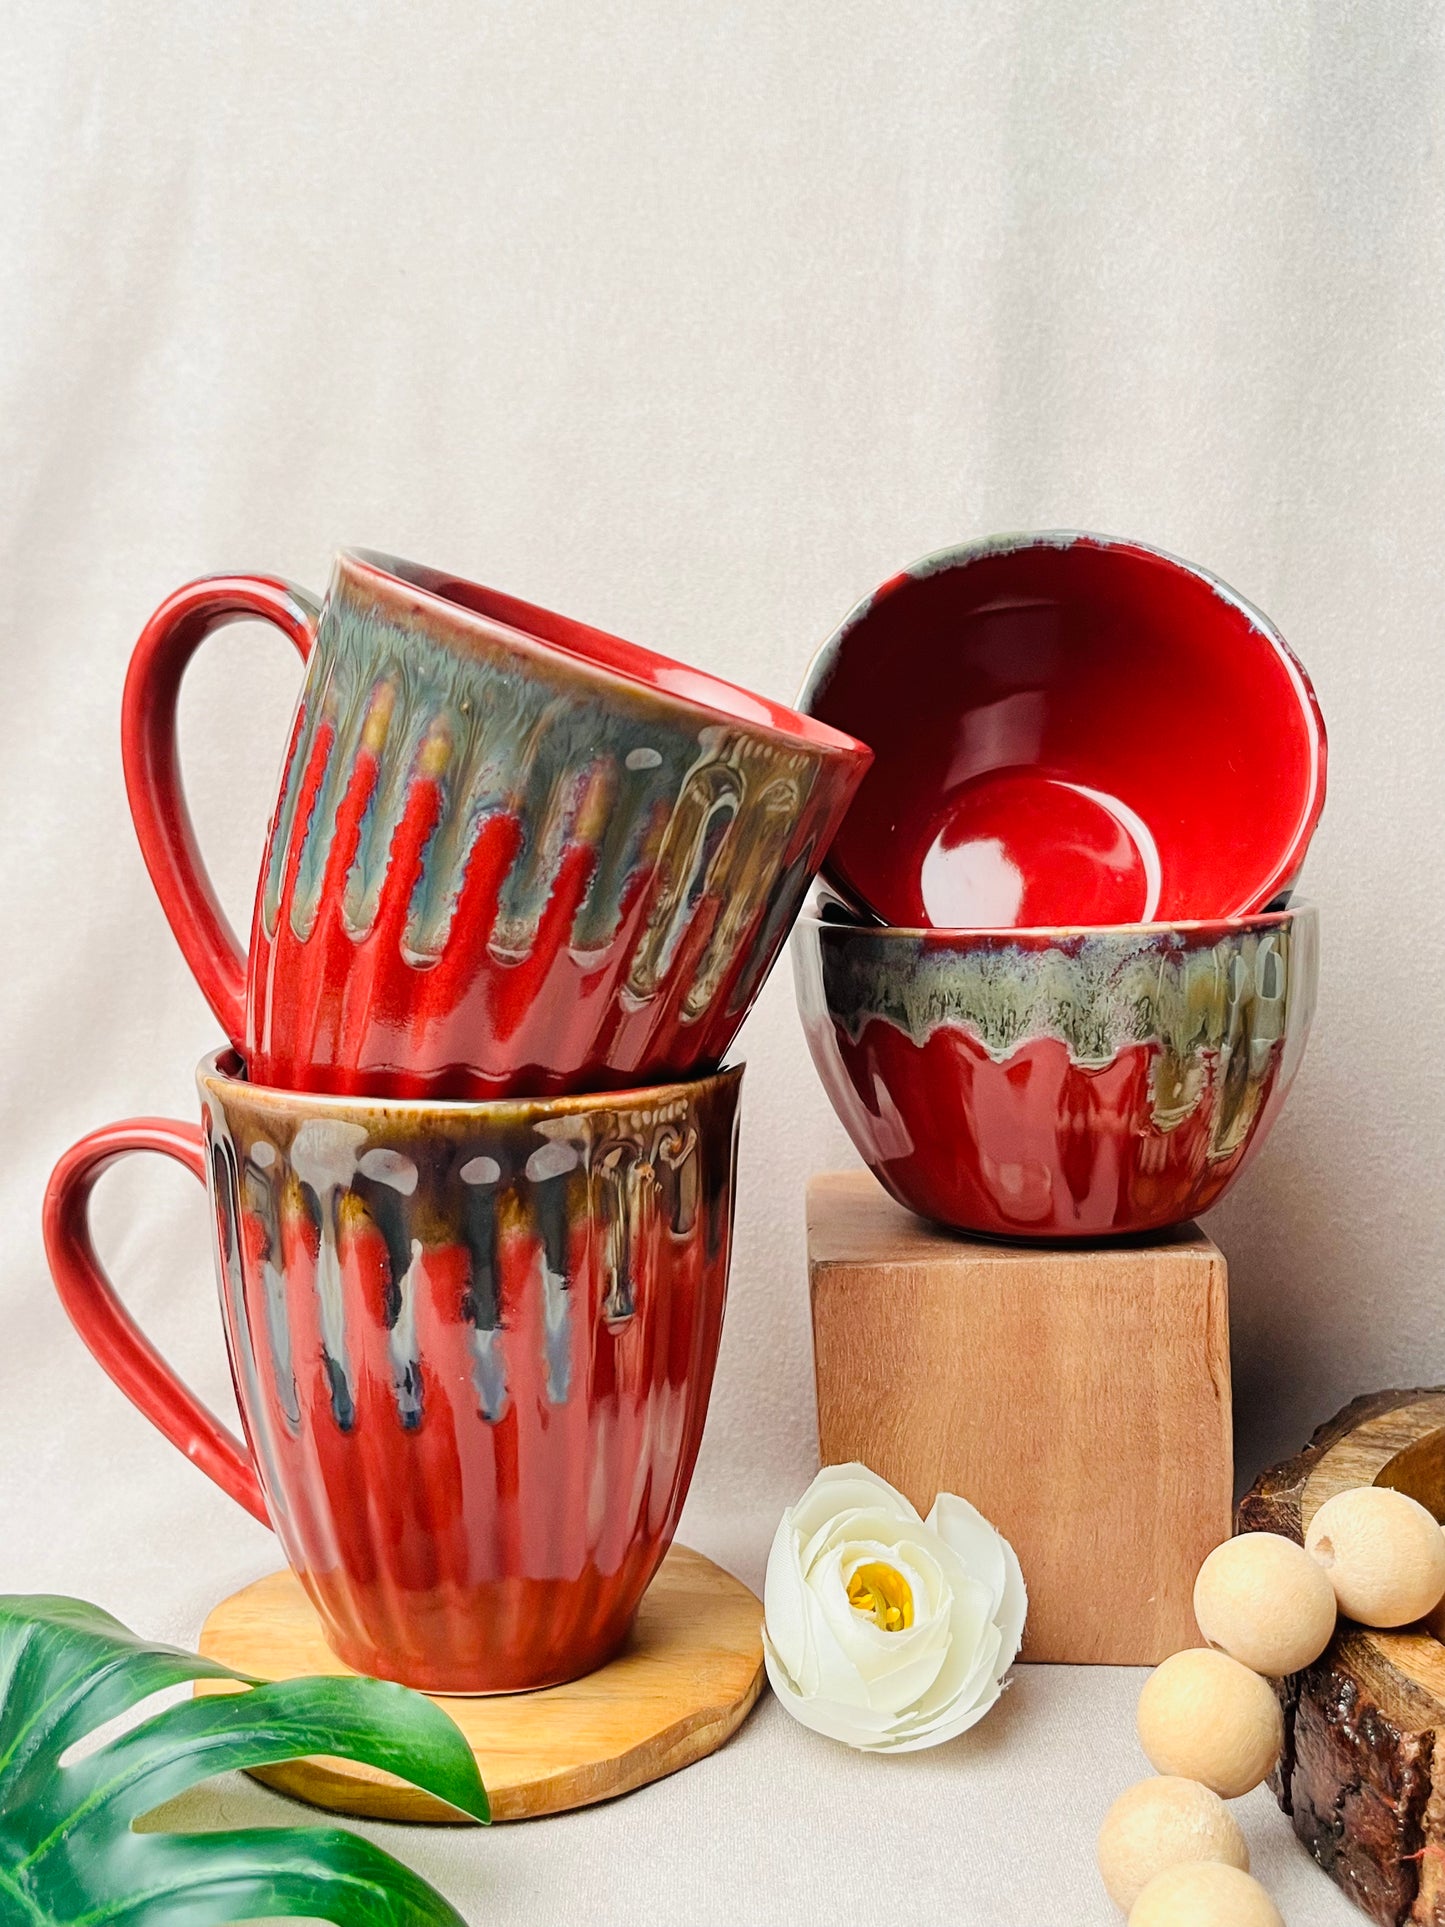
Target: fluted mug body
(510, 855)
(472, 1346)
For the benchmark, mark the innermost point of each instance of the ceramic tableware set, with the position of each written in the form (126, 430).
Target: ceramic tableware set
(1055, 984)
(470, 1143)
(469, 1147)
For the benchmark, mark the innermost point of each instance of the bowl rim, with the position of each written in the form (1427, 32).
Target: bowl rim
(637, 668)
(1065, 932)
(962, 554)
(219, 1068)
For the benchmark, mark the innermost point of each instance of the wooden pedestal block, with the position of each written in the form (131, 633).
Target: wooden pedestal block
(1079, 1398)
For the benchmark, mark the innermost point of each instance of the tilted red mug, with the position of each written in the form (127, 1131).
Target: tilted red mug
(510, 855)
(472, 1346)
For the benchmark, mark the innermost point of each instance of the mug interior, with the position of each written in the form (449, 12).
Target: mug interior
(610, 653)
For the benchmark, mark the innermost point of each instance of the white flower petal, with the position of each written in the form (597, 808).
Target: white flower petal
(938, 1735)
(785, 1602)
(978, 1544)
(835, 1668)
(910, 1561)
(854, 1472)
(853, 1725)
(929, 1594)
(981, 1681)
(812, 1656)
(835, 1531)
(899, 1690)
(883, 1538)
(828, 1582)
(858, 1634)
(985, 1672)
(919, 1553)
(873, 1524)
(839, 1488)
(970, 1629)
(1014, 1611)
(894, 1669)
(833, 1671)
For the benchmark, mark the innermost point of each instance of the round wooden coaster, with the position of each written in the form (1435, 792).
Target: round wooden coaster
(682, 1685)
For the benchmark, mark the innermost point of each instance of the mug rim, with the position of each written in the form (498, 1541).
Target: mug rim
(642, 669)
(215, 1072)
(1067, 932)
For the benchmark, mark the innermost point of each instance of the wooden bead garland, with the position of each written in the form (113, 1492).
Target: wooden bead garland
(1264, 1601)
(1206, 1717)
(1382, 1552)
(1204, 1894)
(1169, 1851)
(1164, 1823)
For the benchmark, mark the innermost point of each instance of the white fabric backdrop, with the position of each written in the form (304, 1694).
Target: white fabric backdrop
(696, 323)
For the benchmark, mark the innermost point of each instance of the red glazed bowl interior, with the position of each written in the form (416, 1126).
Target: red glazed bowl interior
(1058, 1085)
(1068, 729)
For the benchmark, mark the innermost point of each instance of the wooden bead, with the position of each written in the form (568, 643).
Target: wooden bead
(1159, 1824)
(1204, 1894)
(1382, 1552)
(1263, 1600)
(1205, 1717)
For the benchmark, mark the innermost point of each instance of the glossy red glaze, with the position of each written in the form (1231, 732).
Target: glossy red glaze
(1068, 730)
(472, 1348)
(1055, 1085)
(510, 854)
(1036, 1146)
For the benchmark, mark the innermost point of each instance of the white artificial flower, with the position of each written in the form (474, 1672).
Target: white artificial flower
(883, 1630)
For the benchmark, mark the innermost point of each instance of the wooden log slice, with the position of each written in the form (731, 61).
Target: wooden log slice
(1362, 1776)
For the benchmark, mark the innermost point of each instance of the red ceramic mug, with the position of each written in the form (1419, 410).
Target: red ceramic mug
(510, 854)
(472, 1346)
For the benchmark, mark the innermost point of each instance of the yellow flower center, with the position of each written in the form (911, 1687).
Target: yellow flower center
(883, 1594)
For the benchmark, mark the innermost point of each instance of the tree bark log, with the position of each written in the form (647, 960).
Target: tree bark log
(1362, 1776)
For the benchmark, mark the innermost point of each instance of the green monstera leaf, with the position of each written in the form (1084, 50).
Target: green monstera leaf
(69, 1855)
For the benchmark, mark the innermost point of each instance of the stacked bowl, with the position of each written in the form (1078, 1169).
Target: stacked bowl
(470, 1147)
(1055, 984)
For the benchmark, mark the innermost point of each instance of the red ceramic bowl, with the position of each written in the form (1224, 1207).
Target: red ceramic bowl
(1068, 729)
(1058, 1084)
(472, 1346)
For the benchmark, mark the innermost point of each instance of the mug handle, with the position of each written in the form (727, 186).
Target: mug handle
(107, 1327)
(152, 768)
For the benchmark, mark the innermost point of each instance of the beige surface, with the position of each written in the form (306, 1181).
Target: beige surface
(687, 1680)
(1080, 1399)
(697, 322)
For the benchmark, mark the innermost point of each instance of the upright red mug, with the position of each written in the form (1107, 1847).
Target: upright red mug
(511, 854)
(472, 1346)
